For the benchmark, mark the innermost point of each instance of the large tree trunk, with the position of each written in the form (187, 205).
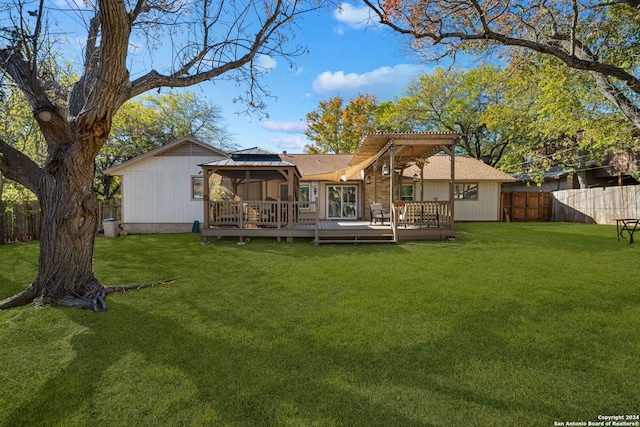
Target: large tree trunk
(70, 222)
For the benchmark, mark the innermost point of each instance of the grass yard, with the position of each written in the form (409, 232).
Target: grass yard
(510, 325)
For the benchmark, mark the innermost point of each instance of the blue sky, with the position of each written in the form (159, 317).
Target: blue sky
(347, 55)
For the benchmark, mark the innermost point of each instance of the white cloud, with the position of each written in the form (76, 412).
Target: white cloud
(287, 127)
(295, 144)
(379, 81)
(80, 4)
(354, 17)
(265, 62)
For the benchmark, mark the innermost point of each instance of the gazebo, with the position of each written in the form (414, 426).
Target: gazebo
(261, 191)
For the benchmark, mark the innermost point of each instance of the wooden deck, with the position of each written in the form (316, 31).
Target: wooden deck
(329, 231)
(243, 219)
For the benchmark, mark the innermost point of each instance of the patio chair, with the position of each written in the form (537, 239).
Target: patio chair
(378, 213)
(402, 216)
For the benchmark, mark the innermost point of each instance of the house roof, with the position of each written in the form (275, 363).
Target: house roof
(313, 164)
(468, 168)
(408, 145)
(438, 168)
(180, 147)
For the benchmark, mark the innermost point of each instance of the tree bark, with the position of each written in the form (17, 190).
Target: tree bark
(69, 225)
(70, 222)
(76, 129)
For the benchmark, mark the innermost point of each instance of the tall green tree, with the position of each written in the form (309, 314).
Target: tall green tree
(554, 116)
(600, 38)
(218, 40)
(455, 100)
(178, 114)
(151, 121)
(389, 119)
(17, 125)
(338, 128)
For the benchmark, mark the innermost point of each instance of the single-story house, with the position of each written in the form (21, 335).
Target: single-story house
(164, 191)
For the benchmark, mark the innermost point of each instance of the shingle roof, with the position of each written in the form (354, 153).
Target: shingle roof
(165, 149)
(313, 164)
(466, 169)
(438, 168)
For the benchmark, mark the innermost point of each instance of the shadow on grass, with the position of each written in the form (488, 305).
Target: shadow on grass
(282, 379)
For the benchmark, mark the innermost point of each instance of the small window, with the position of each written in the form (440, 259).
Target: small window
(466, 192)
(197, 188)
(305, 192)
(407, 192)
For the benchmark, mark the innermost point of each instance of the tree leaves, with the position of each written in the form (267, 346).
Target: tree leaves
(337, 128)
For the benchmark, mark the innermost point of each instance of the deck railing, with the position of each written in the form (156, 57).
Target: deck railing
(261, 214)
(423, 214)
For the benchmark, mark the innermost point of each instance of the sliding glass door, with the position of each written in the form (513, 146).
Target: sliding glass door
(342, 201)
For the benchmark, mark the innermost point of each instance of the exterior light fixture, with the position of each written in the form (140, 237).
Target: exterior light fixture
(385, 169)
(368, 179)
(416, 177)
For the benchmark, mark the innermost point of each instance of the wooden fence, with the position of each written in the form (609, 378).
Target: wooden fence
(525, 206)
(111, 208)
(597, 205)
(22, 223)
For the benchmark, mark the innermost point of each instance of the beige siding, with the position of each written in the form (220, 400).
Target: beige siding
(485, 208)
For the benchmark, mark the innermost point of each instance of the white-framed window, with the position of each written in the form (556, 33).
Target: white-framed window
(407, 192)
(304, 192)
(467, 191)
(197, 187)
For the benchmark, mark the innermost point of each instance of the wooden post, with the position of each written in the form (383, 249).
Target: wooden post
(452, 189)
(392, 173)
(205, 201)
(291, 197)
(451, 151)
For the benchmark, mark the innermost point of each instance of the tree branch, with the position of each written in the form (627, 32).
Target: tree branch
(20, 72)
(566, 48)
(154, 79)
(16, 166)
(108, 290)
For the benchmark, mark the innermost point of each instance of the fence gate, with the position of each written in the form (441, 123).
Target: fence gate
(525, 206)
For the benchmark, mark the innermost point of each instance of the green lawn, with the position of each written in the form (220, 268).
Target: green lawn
(510, 325)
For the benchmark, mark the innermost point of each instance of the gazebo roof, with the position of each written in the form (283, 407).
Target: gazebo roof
(262, 163)
(251, 158)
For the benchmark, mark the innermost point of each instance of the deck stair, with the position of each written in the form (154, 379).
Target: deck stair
(355, 235)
